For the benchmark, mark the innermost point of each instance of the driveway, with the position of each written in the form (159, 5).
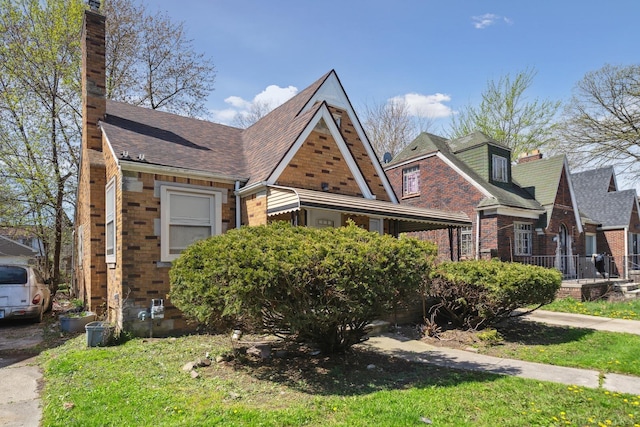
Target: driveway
(20, 376)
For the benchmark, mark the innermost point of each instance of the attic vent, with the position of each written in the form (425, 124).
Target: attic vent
(337, 118)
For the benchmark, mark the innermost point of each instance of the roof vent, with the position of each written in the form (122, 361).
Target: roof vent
(141, 157)
(125, 155)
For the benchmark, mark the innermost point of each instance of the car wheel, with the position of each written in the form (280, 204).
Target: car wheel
(40, 316)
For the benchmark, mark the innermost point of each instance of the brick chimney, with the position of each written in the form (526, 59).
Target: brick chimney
(91, 268)
(93, 76)
(530, 157)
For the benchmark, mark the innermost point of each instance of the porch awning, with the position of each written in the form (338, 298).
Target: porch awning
(287, 199)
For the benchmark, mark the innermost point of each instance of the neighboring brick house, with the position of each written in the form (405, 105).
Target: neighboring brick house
(151, 183)
(520, 212)
(617, 215)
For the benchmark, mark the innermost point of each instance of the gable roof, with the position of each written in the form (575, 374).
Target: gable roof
(612, 209)
(12, 248)
(508, 195)
(594, 180)
(254, 156)
(542, 178)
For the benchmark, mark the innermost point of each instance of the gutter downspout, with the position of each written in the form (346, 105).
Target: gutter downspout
(478, 235)
(238, 213)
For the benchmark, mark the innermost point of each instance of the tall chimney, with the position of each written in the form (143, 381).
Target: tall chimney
(93, 76)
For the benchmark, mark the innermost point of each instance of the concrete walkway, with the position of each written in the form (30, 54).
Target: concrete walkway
(418, 351)
(20, 403)
(583, 321)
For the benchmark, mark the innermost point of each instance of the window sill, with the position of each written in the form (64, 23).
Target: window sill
(410, 196)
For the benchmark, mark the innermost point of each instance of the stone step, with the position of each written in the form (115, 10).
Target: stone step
(632, 294)
(627, 287)
(377, 327)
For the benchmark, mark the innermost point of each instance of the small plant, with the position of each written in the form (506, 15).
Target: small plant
(77, 305)
(490, 336)
(430, 328)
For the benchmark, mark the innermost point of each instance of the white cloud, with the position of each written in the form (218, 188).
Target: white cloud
(483, 21)
(429, 106)
(272, 97)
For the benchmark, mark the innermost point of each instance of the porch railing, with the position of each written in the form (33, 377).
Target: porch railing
(577, 267)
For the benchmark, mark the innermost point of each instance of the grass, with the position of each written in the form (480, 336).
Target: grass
(141, 383)
(564, 346)
(629, 310)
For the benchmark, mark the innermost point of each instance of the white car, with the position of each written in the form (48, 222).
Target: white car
(23, 293)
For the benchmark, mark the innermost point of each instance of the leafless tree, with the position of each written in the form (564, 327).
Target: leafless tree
(601, 124)
(151, 62)
(258, 110)
(389, 126)
(506, 115)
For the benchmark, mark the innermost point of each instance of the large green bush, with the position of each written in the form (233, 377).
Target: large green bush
(475, 294)
(320, 285)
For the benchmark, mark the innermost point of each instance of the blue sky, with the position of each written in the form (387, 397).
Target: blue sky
(438, 55)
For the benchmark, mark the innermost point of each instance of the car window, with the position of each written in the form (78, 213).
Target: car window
(10, 275)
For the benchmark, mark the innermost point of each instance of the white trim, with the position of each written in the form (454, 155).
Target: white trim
(165, 191)
(473, 182)
(414, 159)
(111, 186)
(334, 94)
(515, 212)
(565, 169)
(520, 232)
(324, 113)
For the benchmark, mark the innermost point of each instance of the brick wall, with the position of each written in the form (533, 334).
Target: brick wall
(319, 160)
(440, 188)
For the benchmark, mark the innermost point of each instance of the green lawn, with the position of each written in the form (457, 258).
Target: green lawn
(629, 310)
(141, 383)
(566, 346)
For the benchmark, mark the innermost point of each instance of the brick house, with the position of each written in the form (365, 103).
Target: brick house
(520, 212)
(616, 214)
(151, 183)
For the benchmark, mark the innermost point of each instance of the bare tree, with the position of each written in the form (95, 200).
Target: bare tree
(601, 124)
(258, 110)
(151, 62)
(389, 126)
(506, 115)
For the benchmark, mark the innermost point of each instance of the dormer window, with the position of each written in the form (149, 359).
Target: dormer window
(499, 168)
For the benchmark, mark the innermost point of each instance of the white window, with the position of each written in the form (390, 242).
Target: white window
(411, 181)
(187, 215)
(110, 222)
(523, 238)
(500, 168)
(590, 244)
(466, 242)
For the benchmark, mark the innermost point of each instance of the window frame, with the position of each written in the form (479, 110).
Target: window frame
(466, 241)
(499, 168)
(110, 218)
(215, 215)
(523, 230)
(587, 238)
(412, 172)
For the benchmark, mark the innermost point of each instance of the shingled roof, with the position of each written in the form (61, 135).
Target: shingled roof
(510, 195)
(612, 209)
(12, 248)
(166, 139)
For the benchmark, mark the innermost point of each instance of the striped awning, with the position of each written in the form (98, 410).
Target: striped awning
(287, 199)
